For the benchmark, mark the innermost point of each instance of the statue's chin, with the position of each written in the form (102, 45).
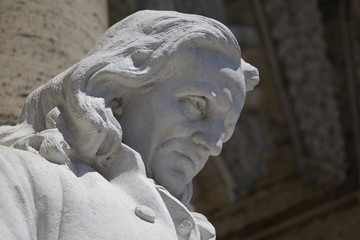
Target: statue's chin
(182, 191)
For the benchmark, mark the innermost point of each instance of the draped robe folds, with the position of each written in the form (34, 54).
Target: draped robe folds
(44, 200)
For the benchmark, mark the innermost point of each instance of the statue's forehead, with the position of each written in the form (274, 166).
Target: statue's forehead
(208, 72)
(224, 91)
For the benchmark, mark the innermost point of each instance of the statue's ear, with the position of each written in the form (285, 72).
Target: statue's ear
(116, 107)
(251, 75)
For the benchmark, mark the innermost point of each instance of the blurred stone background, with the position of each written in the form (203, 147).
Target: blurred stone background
(291, 170)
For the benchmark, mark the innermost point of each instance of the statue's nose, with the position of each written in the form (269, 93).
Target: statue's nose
(210, 143)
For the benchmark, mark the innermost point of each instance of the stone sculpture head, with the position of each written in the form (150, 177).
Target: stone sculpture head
(169, 85)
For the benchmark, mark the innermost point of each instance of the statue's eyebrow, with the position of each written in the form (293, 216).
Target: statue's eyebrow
(205, 89)
(197, 88)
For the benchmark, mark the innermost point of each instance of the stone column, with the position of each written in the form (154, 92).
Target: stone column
(39, 39)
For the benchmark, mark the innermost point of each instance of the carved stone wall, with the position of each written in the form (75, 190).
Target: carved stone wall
(297, 29)
(40, 39)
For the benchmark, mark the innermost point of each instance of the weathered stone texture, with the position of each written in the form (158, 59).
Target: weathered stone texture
(40, 39)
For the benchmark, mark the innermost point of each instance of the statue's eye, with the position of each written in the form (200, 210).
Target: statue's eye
(195, 106)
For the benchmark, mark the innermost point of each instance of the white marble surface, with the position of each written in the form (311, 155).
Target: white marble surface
(108, 148)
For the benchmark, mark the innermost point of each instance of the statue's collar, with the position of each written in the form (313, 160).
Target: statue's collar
(189, 225)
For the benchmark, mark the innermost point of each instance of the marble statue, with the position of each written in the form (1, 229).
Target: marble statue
(108, 148)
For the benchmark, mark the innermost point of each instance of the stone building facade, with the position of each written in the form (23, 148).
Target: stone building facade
(40, 39)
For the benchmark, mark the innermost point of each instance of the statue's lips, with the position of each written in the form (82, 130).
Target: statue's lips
(187, 159)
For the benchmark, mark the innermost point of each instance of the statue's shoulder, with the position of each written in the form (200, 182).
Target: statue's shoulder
(29, 174)
(18, 162)
(26, 180)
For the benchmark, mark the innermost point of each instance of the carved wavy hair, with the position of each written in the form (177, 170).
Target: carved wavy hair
(70, 117)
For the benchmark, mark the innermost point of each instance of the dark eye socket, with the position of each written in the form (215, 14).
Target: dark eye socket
(195, 106)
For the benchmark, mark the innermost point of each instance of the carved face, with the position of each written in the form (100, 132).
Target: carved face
(178, 123)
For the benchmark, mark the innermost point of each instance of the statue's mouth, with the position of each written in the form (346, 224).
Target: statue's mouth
(187, 158)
